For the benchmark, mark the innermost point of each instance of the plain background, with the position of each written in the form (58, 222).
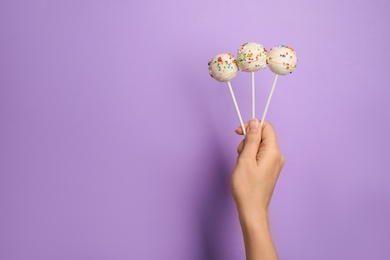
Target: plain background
(115, 143)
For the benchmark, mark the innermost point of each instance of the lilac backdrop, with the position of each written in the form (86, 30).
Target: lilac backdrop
(116, 144)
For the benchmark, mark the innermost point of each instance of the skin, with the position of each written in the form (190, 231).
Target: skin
(254, 178)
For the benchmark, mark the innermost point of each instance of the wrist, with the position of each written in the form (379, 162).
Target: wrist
(254, 220)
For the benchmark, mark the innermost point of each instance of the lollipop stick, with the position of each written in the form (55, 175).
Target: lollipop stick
(253, 95)
(237, 110)
(269, 99)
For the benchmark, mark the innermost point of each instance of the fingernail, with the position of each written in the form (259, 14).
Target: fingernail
(253, 125)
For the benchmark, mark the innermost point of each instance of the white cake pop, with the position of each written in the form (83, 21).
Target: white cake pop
(282, 60)
(251, 57)
(223, 67)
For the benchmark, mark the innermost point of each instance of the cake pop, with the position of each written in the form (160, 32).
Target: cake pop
(281, 60)
(223, 68)
(251, 57)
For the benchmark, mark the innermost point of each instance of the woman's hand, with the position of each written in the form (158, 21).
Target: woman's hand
(253, 181)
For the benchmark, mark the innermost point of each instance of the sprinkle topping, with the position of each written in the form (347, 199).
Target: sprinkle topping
(282, 59)
(223, 67)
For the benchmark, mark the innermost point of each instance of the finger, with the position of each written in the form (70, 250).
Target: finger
(240, 147)
(268, 132)
(239, 129)
(268, 136)
(252, 140)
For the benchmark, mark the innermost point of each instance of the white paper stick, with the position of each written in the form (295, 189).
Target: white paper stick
(237, 109)
(269, 100)
(253, 95)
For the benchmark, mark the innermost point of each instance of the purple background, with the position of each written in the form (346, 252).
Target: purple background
(115, 143)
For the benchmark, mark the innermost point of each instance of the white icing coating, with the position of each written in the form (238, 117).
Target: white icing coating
(251, 57)
(223, 67)
(282, 60)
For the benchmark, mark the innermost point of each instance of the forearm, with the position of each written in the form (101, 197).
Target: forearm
(257, 237)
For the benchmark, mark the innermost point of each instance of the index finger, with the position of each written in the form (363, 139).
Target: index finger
(268, 135)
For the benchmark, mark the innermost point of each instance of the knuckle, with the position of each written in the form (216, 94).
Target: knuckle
(277, 155)
(240, 147)
(282, 160)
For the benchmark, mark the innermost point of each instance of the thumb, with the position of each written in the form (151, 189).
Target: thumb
(252, 140)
